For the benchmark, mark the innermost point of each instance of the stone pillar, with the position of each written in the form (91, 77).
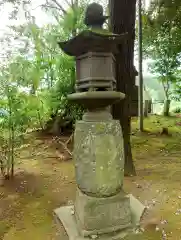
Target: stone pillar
(99, 165)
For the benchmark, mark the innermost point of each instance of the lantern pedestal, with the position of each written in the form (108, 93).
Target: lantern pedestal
(98, 154)
(101, 207)
(67, 216)
(97, 216)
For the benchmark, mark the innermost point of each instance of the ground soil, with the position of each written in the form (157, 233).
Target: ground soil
(44, 180)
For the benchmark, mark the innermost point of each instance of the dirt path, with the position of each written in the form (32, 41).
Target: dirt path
(42, 183)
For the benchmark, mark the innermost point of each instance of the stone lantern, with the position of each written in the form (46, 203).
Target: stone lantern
(101, 206)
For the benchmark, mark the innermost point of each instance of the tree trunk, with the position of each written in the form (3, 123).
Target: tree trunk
(140, 66)
(122, 20)
(166, 107)
(149, 106)
(146, 108)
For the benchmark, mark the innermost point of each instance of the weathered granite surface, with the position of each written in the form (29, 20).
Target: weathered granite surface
(102, 215)
(99, 158)
(66, 216)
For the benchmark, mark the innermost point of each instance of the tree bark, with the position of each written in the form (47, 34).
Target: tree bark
(122, 20)
(146, 108)
(166, 107)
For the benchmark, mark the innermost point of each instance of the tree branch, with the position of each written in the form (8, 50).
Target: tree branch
(166, 87)
(59, 6)
(57, 18)
(69, 3)
(50, 6)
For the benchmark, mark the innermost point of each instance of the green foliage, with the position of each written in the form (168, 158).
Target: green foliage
(35, 82)
(177, 110)
(161, 41)
(11, 127)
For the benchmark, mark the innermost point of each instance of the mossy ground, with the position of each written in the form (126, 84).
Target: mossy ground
(45, 180)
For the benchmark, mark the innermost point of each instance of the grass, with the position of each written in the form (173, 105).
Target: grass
(158, 163)
(45, 180)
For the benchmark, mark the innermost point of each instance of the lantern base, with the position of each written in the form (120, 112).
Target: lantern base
(102, 215)
(65, 216)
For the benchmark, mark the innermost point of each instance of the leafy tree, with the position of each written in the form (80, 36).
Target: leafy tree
(13, 124)
(162, 43)
(49, 72)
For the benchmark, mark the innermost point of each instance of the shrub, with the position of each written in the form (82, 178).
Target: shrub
(177, 110)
